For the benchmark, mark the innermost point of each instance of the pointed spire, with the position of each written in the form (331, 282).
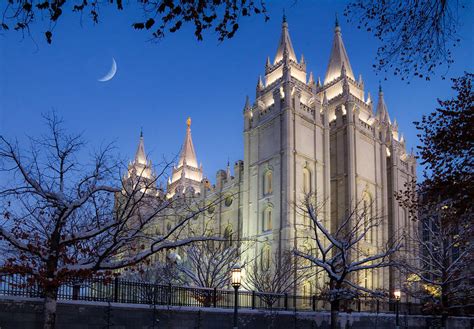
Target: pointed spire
(260, 85)
(382, 113)
(319, 82)
(140, 155)
(228, 169)
(395, 125)
(311, 79)
(268, 64)
(188, 155)
(284, 44)
(360, 80)
(369, 98)
(302, 61)
(247, 103)
(402, 139)
(338, 58)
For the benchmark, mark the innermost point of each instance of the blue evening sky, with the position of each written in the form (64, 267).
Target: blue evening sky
(158, 85)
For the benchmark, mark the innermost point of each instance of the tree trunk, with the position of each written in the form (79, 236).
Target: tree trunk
(334, 313)
(50, 303)
(444, 306)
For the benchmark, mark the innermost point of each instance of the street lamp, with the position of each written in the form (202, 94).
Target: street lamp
(236, 281)
(397, 293)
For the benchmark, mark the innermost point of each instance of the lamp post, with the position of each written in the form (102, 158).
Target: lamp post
(397, 293)
(236, 281)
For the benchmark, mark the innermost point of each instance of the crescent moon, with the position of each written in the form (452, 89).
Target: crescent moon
(111, 73)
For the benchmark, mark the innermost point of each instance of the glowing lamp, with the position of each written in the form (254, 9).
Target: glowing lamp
(397, 294)
(236, 279)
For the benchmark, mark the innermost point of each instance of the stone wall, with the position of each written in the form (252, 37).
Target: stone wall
(27, 313)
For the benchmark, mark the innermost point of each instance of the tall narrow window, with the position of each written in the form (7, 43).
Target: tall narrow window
(306, 180)
(228, 236)
(267, 219)
(368, 218)
(265, 258)
(365, 215)
(268, 182)
(307, 289)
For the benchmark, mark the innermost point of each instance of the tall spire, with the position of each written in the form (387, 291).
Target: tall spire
(260, 85)
(284, 44)
(140, 169)
(188, 155)
(338, 58)
(247, 103)
(382, 112)
(187, 176)
(140, 155)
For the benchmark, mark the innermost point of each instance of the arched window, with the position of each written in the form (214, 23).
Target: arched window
(228, 201)
(228, 235)
(308, 250)
(306, 180)
(307, 289)
(268, 182)
(267, 218)
(367, 213)
(265, 259)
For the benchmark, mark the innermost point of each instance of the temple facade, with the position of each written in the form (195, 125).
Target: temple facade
(302, 136)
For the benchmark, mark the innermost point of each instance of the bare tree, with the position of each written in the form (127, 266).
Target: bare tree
(207, 264)
(443, 265)
(274, 276)
(339, 253)
(417, 37)
(158, 17)
(64, 220)
(442, 204)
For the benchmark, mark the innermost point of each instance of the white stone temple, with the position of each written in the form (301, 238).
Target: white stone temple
(302, 136)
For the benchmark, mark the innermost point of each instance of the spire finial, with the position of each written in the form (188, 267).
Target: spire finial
(380, 87)
(188, 122)
(141, 132)
(337, 21)
(260, 83)
(247, 103)
(284, 16)
(311, 78)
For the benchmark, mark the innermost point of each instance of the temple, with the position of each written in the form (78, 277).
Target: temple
(303, 136)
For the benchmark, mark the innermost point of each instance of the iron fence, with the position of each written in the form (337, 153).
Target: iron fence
(134, 292)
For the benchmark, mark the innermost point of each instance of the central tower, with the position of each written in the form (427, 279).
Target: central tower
(286, 153)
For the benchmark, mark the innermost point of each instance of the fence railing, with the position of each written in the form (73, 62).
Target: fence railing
(131, 292)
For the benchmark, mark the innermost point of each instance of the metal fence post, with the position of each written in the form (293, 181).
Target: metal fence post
(286, 301)
(75, 291)
(116, 289)
(358, 304)
(214, 297)
(314, 302)
(169, 294)
(253, 299)
(378, 306)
